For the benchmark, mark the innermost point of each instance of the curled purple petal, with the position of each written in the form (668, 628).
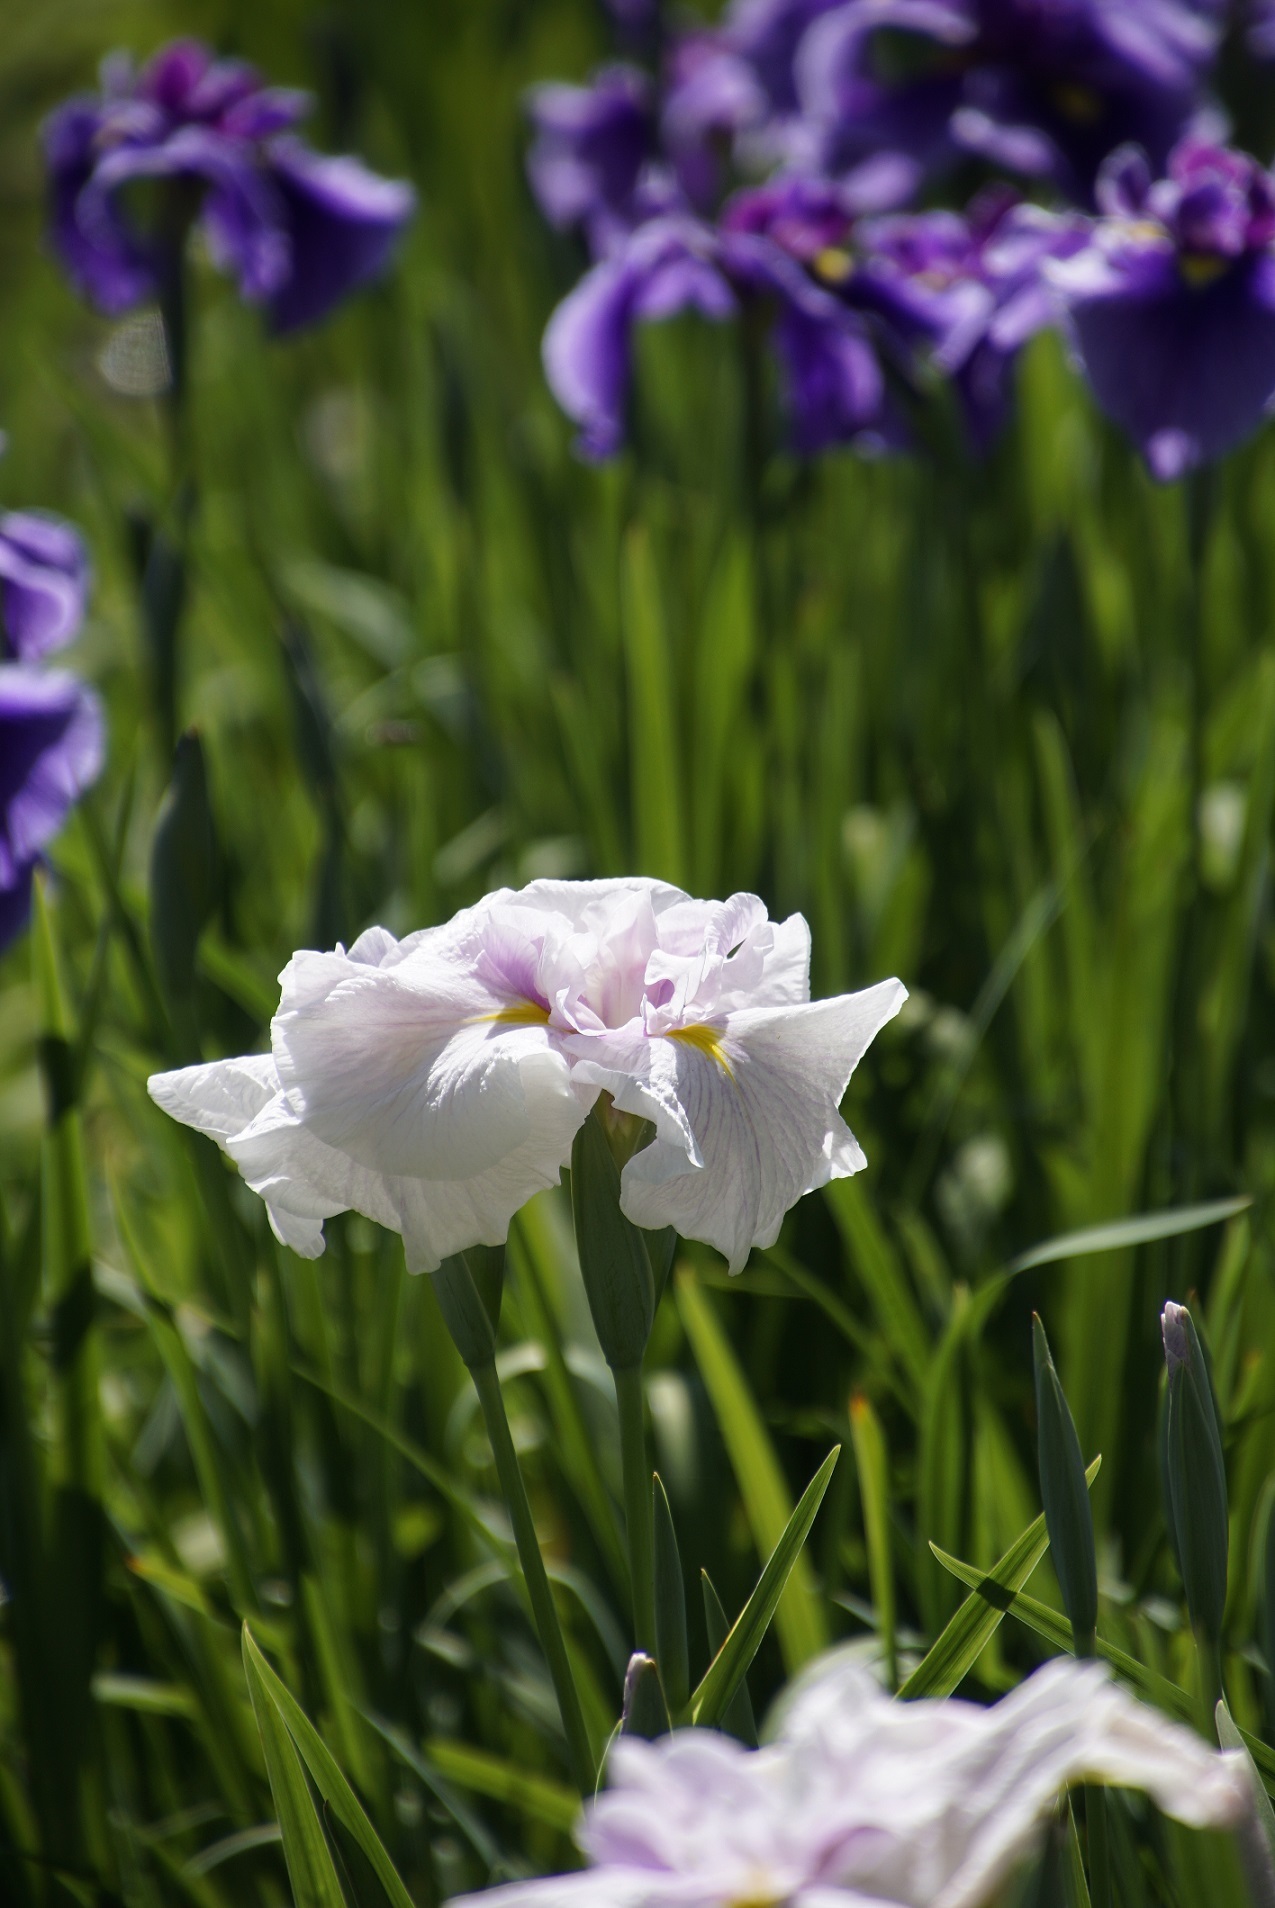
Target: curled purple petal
(51, 745)
(44, 579)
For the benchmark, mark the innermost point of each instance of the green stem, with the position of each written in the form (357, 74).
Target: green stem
(637, 1504)
(1099, 1847)
(1211, 1684)
(487, 1385)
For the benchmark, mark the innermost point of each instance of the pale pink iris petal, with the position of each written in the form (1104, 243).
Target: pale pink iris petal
(415, 1068)
(964, 1791)
(745, 1112)
(402, 1085)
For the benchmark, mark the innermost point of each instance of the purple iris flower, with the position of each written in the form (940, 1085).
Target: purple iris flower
(201, 139)
(971, 289)
(44, 579)
(50, 752)
(593, 143)
(1042, 88)
(833, 386)
(1170, 306)
(667, 266)
(1260, 30)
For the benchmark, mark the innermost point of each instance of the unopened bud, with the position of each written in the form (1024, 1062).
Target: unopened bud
(1173, 1330)
(469, 1288)
(1195, 1473)
(614, 1262)
(645, 1711)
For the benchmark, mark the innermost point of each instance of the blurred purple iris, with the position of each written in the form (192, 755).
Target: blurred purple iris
(593, 143)
(1171, 304)
(50, 752)
(970, 287)
(833, 387)
(192, 138)
(44, 578)
(1040, 88)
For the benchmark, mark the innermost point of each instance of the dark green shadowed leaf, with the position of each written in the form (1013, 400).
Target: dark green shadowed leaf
(1065, 1494)
(737, 1718)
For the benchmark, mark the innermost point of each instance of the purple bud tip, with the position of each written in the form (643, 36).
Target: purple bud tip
(1177, 1345)
(639, 1663)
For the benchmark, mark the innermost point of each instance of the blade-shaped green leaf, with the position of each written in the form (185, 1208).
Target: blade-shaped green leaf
(482, 1773)
(305, 1848)
(963, 1641)
(1145, 1229)
(321, 1763)
(726, 1669)
(874, 1493)
(1231, 1736)
(799, 1621)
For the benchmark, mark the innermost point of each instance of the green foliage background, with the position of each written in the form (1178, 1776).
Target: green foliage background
(1005, 730)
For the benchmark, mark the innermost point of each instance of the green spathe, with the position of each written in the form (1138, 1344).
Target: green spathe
(614, 1262)
(1195, 1472)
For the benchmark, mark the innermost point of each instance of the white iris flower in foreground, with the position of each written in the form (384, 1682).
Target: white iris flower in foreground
(864, 1800)
(436, 1083)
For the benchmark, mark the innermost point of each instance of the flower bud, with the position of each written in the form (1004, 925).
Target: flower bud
(468, 1288)
(1195, 1472)
(1064, 1492)
(612, 1250)
(645, 1711)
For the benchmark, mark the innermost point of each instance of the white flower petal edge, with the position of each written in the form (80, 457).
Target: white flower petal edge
(406, 1084)
(962, 1792)
(745, 1108)
(241, 1105)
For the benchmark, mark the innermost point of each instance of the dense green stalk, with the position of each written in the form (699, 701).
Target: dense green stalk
(1099, 1848)
(637, 1504)
(490, 1397)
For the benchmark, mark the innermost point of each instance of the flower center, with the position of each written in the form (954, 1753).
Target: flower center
(833, 265)
(708, 1040)
(1201, 268)
(527, 1013)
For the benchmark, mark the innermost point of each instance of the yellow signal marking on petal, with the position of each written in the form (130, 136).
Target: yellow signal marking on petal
(528, 1013)
(1201, 268)
(708, 1040)
(833, 265)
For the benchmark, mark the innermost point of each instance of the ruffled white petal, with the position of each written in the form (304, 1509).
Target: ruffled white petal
(745, 1112)
(959, 1794)
(303, 1181)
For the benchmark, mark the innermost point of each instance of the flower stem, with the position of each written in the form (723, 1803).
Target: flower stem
(637, 1504)
(487, 1384)
(1099, 1846)
(1212, 1686)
